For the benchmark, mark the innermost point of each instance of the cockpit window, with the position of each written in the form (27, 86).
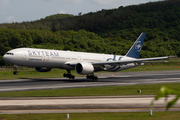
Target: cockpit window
(9, 53)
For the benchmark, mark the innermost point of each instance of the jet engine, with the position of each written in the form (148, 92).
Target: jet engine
(84, 68)
(42, 69)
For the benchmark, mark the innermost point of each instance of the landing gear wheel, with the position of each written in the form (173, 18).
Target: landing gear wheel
(15, 72)
(68, 75)
(95, 78)
(71, 77)
(87, 77)
(64, 75)
(15, 69)
(92, 77)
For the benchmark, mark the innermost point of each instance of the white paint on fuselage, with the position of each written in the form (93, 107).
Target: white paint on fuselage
(32, 57)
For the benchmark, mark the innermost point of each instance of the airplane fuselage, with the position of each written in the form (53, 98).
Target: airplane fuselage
(32, 57)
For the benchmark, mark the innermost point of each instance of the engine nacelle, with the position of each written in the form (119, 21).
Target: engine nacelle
(42, 69)
(84, 68)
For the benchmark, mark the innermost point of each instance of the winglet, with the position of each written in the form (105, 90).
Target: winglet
(135, 50)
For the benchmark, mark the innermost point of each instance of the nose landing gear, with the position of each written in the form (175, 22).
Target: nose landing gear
(15, 70)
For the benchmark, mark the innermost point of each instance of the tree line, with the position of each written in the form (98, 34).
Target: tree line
(87, 42)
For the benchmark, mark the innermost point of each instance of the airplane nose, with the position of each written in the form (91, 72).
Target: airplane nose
(6, 58)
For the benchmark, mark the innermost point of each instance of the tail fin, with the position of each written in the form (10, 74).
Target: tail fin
(135, 50)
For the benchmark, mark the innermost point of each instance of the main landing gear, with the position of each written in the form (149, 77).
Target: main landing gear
(15, 70)
(92, 77)
(68, 75)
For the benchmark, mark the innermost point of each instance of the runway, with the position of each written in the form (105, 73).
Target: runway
(105, 79)
(84, 104)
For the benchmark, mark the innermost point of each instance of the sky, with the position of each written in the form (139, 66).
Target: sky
(30, 10)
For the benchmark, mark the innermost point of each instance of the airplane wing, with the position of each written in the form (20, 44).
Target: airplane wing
(144, 60)
(121, 62)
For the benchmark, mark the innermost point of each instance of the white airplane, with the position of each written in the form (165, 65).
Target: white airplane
(43, 60)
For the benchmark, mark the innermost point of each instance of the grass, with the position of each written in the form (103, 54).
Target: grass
(96, 116)
(150, 89)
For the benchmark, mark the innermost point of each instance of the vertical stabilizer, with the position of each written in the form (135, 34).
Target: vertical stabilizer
(135, 50)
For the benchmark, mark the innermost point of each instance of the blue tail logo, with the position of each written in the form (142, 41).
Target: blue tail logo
(138, 46)
(135, 50)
